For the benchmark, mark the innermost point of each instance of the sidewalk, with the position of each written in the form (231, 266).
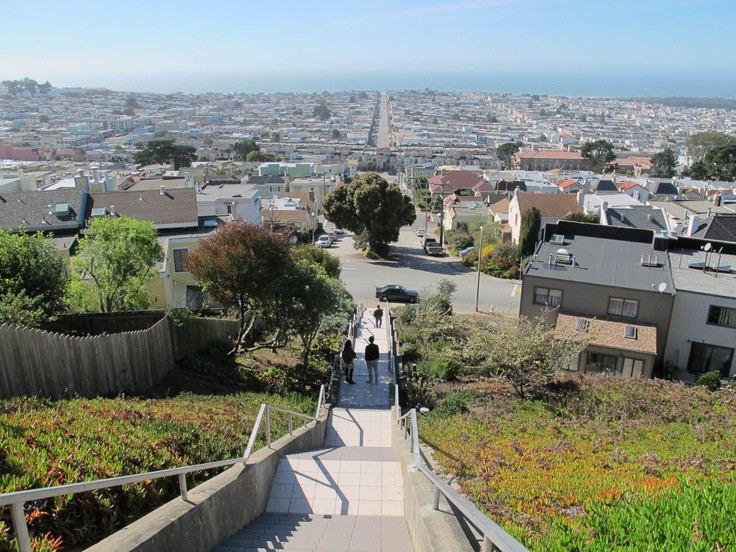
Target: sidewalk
(347, 496)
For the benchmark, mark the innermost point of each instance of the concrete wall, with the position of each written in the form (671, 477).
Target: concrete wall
(217, 508)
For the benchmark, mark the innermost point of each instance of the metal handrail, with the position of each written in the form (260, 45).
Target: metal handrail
(16, 499)
(495, 538)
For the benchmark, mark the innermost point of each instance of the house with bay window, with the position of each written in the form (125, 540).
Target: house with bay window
(646, 303)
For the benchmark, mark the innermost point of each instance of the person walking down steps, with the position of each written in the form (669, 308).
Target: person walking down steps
(378, 315)
(348, 358)
(371, 359)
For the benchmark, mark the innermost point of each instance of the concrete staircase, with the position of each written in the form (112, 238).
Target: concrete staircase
(347, 496)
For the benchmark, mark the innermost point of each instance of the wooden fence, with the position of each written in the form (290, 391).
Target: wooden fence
(37, 362)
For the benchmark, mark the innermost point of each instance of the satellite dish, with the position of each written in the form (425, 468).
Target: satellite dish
(661, 287)
(708, 246)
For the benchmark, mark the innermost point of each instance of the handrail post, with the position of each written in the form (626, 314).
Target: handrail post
(487, 545)
(268, 427)
(436, 500)
(291, 423)
(254, 433)
(21, 529)
(183, 486)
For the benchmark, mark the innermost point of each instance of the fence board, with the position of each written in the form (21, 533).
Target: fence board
(38, 362)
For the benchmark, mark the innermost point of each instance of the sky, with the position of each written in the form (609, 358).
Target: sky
(164, 45)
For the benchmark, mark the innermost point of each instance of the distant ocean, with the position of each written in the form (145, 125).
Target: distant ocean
(607, 86)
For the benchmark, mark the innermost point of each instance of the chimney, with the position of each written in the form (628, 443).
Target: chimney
(693, 224)
(710, 212)
(717, 200)
(162, 191)
(112, 210)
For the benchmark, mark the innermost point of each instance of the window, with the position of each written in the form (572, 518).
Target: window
(599, 363)
(180, 260)
(707, 358)
(550, 297)
(229, 208)
(623, 307)
(722, 316)
(195, 297)
(633, 367)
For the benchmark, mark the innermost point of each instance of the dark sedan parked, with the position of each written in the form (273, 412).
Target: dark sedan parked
(393, 292)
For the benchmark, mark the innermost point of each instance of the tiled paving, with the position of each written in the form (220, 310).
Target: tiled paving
(347, 496)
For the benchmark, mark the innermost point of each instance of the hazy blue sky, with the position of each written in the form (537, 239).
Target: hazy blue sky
(103, 43)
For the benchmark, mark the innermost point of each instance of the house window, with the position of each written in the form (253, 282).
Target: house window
(195, 297)
(546, 296)
(180, 260)
(707, 358)
(633, 367)
(722, 316)
(599, 363)
(229, 208)
(623, 307)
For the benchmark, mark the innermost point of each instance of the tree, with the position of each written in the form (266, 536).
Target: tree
(372, 209)
(243, 147)
(663, 163)
(261, 157)
(531, 222)
(244, 265)
(313, 294)
(319, 256)
(116, 260)
(165, 151)
(505, 153)
(524, 352)
(183, 156)
(701, 143)
(583, 217)
(321, 110)
(718, 164)
(600, 153)
(32, 279)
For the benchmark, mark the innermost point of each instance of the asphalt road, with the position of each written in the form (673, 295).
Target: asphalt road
(414, 269)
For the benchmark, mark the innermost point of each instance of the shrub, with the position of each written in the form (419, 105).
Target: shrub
(461, 241)
(456, 403)
(711, 380)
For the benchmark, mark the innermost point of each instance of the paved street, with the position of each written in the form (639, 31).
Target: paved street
(414, 269)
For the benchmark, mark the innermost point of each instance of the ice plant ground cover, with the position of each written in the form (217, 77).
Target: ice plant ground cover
(595, 463)
(45, 443)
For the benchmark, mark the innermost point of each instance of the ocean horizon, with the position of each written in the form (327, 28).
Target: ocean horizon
(600, 86)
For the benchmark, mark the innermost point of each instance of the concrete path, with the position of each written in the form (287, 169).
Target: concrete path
(347, 496)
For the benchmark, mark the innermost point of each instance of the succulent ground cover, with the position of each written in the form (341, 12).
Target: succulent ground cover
(595, 463)
(203, 411)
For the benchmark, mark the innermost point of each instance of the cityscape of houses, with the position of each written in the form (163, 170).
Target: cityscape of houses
(651, 286)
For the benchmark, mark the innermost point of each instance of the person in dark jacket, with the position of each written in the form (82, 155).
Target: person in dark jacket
(378, 316)
(348, 356)
(371, 359)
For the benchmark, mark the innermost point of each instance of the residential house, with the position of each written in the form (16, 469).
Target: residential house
(570, 186)
(689, 217)
(453, 181)
(551, 207)
(229, 202)
(528, 160)
(610, 285)
(269, 185)
(662, 190)
(702, 334)
(59, 213)
(462, 210)
(500, 213)
(174, 215)
(635, 190)
(643, 217)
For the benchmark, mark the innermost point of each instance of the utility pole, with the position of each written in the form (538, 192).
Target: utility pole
(477, 285)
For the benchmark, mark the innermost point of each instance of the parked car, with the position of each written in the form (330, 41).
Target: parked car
(340, 231)
(427, 240)
(420, 233)
(434, 249)
(333, 236)
(323, 241)
(394, 292)
(467, 250)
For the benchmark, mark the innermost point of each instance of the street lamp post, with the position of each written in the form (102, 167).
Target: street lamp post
(477, 285)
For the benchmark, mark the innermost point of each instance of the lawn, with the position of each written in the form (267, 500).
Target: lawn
(595, 463)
